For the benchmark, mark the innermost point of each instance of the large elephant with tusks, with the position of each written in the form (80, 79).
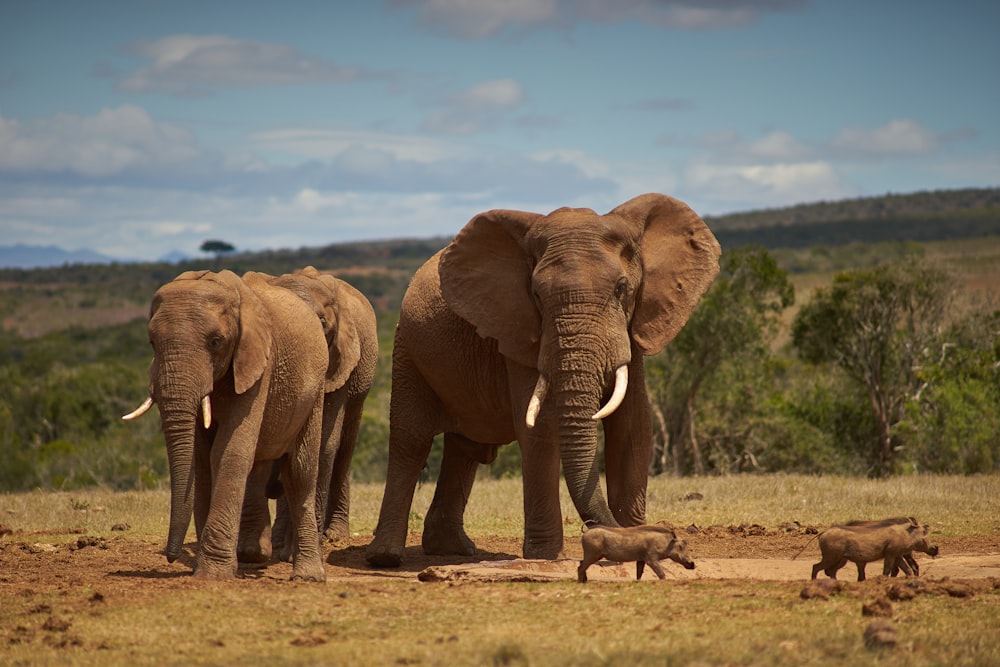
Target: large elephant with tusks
(533, 328)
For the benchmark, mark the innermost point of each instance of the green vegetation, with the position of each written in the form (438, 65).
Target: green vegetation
(758, 381)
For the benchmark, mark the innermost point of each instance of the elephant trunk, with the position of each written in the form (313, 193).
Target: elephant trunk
(578, 454)
(178, 430)
(577, 400)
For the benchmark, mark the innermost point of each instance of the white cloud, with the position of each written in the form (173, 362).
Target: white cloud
(501, 93)
(110, 142)
(475, 108)
(777, 146)
(899, 137)
(756, 185)
(196, 64)
(478, 19)
(323, 144)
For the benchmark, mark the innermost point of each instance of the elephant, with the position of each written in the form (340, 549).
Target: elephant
(349, 325)
(522, 328)
(254, 357)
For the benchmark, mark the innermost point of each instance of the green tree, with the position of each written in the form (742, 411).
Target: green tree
(876, 325)
(954, 422)
(728, 333)
(217, 248)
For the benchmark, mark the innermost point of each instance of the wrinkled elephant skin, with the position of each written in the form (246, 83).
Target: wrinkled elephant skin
(349, 325)
(257, 353)
(532, 327)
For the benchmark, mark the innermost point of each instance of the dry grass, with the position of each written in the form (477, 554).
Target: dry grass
(395, 620)
(954, 505)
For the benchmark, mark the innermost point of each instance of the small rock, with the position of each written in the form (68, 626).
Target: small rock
(121, 527)
(881, 633)
(56, 624)
(900, 592)
(821, 589)
(880, 606)
(957, 590)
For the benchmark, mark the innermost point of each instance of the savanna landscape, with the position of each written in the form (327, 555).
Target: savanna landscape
(765, 435)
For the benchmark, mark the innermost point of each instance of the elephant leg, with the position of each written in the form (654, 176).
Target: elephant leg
(540, 472)
(444, 527)
(336, 520)
(254, 542)
(628, 437)
(231, 467)
(543, 521)
(412, 412)
(299, 474)
(283, 532)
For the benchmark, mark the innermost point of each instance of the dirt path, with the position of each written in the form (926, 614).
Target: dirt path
(30, 562)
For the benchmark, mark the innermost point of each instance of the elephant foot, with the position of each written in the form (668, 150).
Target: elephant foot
(254, 554)
(315, 573)
(209, 571)
(384, 556)
(337, 531)
(443, 539)
(254, 550)
(543, 550)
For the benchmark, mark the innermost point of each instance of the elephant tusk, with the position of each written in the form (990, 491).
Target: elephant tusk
(206, 411)
(141, 410)
(621, 384)
(535, 404)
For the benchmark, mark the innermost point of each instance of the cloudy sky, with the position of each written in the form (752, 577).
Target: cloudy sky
(140, 127)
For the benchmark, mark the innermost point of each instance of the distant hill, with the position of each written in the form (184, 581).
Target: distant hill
(866, 208)
(22, 256)
(921, 216)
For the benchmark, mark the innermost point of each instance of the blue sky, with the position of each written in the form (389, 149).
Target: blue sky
(141, 127)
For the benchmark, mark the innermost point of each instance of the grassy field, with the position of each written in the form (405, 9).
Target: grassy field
(953, 505)
(142, 612)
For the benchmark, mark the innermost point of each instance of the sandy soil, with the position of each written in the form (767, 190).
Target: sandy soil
(31, 564)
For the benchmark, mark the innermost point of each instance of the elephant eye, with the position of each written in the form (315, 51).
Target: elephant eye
(215, 342)
(621, 290)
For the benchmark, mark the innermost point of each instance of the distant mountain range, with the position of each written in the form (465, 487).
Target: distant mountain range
(22, 256)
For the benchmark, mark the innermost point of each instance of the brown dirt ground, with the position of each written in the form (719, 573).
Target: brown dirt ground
(30, 564)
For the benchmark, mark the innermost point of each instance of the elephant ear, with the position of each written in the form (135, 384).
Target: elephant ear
(486, 280)
(253, 350)
(345, 348)
(680, 260)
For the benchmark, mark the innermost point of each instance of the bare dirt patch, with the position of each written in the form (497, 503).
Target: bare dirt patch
(114, 599)
(32, 564)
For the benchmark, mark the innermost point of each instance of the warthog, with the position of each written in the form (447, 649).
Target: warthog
(864, 542)
(906, 562)
(643, 544)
